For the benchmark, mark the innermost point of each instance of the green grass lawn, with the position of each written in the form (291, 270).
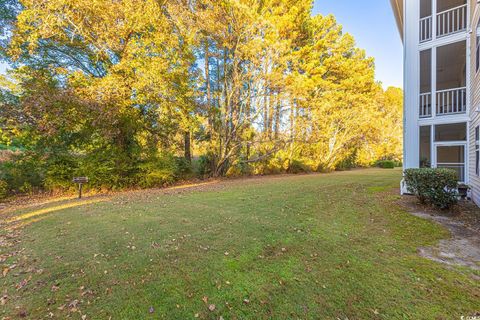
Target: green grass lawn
(294, 247)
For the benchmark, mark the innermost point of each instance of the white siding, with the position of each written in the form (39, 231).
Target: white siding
(475, 101)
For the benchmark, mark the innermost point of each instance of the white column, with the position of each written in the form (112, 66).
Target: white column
(411, 84)
(468, 161)
(434, 81)
(434, 63)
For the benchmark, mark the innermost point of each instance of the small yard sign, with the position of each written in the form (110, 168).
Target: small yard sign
(80, 181)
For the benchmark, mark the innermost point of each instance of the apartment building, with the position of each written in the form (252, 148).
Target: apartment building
(442, 85)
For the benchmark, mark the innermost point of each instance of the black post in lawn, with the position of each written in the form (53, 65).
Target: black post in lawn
(80, 181)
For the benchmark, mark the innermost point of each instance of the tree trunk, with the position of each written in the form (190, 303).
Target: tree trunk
(265, 110)
(207, 82)
(292, 131)
(278, 106)
(271, 107)
(187, 146)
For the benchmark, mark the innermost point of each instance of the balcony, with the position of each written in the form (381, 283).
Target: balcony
(451, 101)
(426, 105)
(451, 17)
(448, 102)
(443, 85)
(426, 29)
(452, 21)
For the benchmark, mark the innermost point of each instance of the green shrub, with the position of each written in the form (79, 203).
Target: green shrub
(163, 171)
(268, 167)
(27, 188)
(202, 166)
(60, 172)
(239, 169)
(3, 189)
(108, 168)
(23, 173)
(157, 178)
(386, 164)
(183, 168)
(158, 172)
(347, 163)
(435, 186)
(297, 167)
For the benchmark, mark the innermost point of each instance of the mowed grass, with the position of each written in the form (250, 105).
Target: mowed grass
(294, 247)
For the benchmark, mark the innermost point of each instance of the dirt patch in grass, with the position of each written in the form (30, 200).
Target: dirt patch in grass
(463, 222)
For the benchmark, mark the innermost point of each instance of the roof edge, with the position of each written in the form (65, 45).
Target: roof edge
(397, 6)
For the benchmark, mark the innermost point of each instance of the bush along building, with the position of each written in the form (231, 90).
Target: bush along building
(442, 86)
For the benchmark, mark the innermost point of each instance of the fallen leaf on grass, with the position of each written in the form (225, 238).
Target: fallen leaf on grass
(22, 313)
(3, 300)
(23, 283)
(87, 292)
(205, 299)
(73, 305)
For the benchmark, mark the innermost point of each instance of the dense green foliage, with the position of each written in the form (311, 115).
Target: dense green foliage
(386, 164)
(436, 186)
(331, 246)
(266, 88)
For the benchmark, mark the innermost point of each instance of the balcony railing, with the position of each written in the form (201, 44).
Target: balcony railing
(452, 21)
(426, 29)
(425, 105)
(451, 101)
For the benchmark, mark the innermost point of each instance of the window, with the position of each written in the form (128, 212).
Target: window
(452, 157)
(451, 132)
(425, 20)
(426, 71)
(425, 109)
(425, 147)
(477, 150)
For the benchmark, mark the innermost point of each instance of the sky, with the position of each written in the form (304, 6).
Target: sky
(2, 68)
(373, 26)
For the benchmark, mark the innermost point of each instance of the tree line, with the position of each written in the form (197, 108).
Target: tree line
(148, 92)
